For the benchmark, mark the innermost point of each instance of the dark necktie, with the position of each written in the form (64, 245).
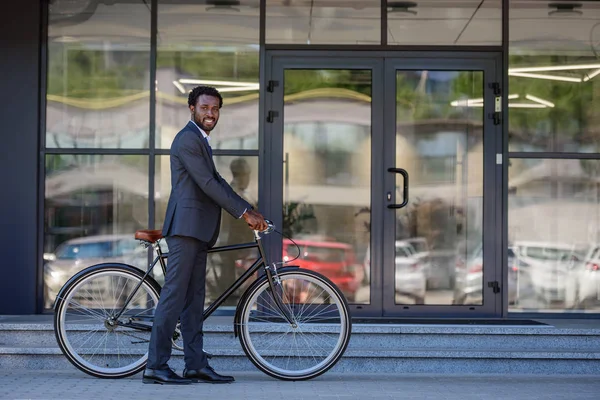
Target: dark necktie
(209, 148)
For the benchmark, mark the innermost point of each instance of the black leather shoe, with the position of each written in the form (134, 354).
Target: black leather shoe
(164, 377)
(206, 375)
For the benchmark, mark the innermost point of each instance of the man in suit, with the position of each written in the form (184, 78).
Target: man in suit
(191, 227)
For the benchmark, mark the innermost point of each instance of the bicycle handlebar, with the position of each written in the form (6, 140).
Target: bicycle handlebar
(270, 227)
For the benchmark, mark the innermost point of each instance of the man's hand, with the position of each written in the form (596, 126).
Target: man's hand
(255, 220)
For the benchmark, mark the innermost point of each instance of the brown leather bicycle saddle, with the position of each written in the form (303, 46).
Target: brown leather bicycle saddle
(149, 235)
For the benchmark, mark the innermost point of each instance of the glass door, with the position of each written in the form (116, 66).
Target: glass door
(376, 167)
(322, 116)
(439, 156)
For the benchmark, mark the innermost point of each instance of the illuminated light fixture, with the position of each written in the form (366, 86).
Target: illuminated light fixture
(216, 83)
(538, 100)
(527, 72)
(555, 68)
(179, 86)
(476, 102)
(548, 77)
(239, 88)
(526, 105)
(590, 76)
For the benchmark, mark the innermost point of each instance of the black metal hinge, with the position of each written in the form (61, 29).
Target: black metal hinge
(495, 285)
(271, 115)
(272, 85)
(497, 114)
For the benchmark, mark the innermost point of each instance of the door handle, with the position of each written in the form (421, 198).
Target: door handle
(405, 194)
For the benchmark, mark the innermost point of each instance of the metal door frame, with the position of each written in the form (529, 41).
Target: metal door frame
(492, 305)
(382, 116)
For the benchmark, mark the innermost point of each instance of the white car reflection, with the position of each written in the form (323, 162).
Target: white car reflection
(586, 277)
(410, 276)
(77, 254)
(551, 267)
(469, 278)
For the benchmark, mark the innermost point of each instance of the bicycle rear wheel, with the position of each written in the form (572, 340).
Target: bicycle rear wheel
(85, 327)
(316, 339)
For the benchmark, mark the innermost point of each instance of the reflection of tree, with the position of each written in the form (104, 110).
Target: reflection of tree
(295, 216)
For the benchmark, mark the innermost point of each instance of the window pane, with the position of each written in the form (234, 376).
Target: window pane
(98, 75)
(327, 175)
(554, 77)
(214, 45)
(94, 204)
(465, 23)
(554, 231)
(439, 142)
(223, 268)
(309, 22)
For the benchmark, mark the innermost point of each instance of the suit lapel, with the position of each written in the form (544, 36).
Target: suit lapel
(204, 142)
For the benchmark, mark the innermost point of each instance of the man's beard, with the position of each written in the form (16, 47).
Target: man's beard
(205, 128)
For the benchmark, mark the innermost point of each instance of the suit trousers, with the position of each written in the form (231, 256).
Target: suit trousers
(182, 296)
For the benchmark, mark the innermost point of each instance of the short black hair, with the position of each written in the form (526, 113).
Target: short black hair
(206, 90)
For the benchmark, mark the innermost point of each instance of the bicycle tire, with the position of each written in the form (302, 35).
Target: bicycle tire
(260, 348)
(91, 326)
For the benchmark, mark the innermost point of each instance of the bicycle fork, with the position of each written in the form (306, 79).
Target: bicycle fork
(274, 281)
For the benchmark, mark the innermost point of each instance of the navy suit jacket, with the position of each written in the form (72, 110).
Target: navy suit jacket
(198, 192)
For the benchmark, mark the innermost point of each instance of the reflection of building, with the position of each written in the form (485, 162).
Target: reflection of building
(549, 196)
(85, 147)
(99, 198)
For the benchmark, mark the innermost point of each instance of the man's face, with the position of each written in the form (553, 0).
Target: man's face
(206, 112)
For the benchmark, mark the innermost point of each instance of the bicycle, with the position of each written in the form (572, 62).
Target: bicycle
(108, 308)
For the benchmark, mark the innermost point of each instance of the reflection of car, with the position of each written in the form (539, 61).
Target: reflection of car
(469, 283)
(410, 277)
(586, 281)
(75, 255)
(550, 266)
(333, 259)
(420, 250)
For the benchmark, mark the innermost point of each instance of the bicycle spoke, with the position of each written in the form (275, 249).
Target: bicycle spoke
(299, 349)
(102, 348)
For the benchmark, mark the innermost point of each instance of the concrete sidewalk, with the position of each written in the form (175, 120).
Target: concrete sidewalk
(255, 385)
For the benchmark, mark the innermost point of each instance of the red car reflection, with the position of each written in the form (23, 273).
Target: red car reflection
(333, 259)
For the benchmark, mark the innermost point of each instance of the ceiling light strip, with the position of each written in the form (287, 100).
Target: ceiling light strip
(538, 100)
(548, 77)
(217, 83)
(555, 68)
(179, 86)
(590, 76)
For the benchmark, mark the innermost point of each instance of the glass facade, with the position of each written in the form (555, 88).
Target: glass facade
(118, 75)
(445, 23)
(222, 49)
(554, 146)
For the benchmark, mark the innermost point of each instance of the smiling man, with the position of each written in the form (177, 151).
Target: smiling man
(198, 193)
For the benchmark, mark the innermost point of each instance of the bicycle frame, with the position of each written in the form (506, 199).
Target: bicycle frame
(160, 258)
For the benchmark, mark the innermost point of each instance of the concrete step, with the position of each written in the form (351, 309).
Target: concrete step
(381, 337)
(373, 348)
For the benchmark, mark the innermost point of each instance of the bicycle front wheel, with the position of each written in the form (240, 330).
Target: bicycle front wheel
(314, 341)
(86, 329)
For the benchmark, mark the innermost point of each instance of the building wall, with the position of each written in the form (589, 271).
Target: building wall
(20, 116)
